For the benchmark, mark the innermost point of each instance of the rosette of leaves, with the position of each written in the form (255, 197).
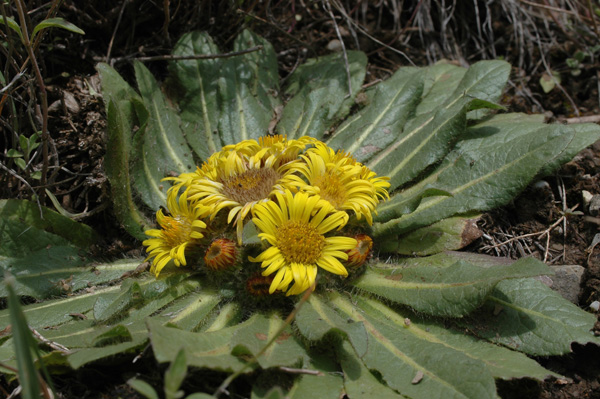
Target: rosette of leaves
(446, 324)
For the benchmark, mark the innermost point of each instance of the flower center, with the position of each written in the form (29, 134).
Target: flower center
(252, 185)
(176, 230)
(332, 189)
(299, 242)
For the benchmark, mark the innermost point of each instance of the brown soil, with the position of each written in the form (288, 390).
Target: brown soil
(120, 30)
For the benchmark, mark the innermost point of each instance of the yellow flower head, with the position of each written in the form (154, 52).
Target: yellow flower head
(339, 179)
(237, 181)
(179, 229)
(295, 227)
(279, 146)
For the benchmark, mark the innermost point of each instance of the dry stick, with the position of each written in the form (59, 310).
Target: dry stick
(364, 32)
(300, 371)
(282, 31)
(592, 14)
(112, 38)
(547, 7)
(42, 87)
(190, 57)
(223, 387)
(46, 341)
(327, 7)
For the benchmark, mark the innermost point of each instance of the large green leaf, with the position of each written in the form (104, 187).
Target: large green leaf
(452, 291)
(58, 311)
(446, 235)
(416, 366)
(320, 94)
(247, 85)
(381, 122)
(429, 136)
(327, 384)
(501, 362)
(60, 270)
(199, 102)
(30, 217)
(359, 382)
(116, 164)
(160, 148)
(525, 314)
(205, 349)
(493, 164)
(252, 337)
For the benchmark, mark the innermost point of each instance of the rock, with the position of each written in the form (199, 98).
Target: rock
(594, 207)
(567, 281)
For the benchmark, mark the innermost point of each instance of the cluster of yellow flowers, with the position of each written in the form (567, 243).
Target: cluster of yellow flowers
(296, 192)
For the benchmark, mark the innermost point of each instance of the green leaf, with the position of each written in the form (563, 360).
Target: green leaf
(525, 314)
(143, 388)
(116, 165)
(494, 163)
(175, 375)
(252, 336)
(428, 137)
(12, 153)
(190, 312)
(115, 335)
(501, 362)
(317, 318)
(416, 366)
(359, 382)
(199, 101)
(207, 349)
(12, 24)
(58, 311)
(320, 94)
(327, 384)
(246, 87)
(441, 80)
(160, 149)
(60, 270)
(23, 344)
(379, 124)
(32, 217)
(423, 142)
(452, 291)
(56, 23)
(446, 235)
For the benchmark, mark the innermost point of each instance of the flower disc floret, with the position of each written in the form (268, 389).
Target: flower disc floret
(180, 228)
(296, 226)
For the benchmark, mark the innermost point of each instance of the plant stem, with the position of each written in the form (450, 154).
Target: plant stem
(42, 87)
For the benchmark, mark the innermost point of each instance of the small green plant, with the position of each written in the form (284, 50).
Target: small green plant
(435, 323)
(22, 158)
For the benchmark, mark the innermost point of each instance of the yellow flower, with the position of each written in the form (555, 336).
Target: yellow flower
(295, 226)
(180, 228)
(339, 179)
(238, 182)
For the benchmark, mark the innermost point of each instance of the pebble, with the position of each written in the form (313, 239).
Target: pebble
(567, 281)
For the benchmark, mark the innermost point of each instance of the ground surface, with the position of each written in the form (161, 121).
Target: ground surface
(534, 39)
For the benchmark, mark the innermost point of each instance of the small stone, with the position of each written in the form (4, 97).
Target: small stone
(595, 306)
(334, 45)
(567, 281)
(586, 196)
(594, 208)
